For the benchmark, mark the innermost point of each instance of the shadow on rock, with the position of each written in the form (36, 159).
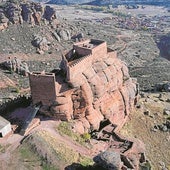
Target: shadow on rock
(76, 166)
(164, 46)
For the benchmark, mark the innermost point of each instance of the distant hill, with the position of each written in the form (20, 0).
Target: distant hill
(67, 2)
(108, 2)
(128, 2)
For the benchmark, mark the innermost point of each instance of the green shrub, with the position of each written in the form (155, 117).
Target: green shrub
(86, 137)
(17, 90)
(65, 128)
(48, 167)
(2, 149)
(85, 161)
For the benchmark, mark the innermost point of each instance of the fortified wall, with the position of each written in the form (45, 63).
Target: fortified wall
(82, 56)
(43, 87)
(91, 86)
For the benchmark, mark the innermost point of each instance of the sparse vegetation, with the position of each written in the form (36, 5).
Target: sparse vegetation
(65, 128)
(2, 149)
(48, 167)
(15, 90)
(104, 9)
(85, 161)
(86, 136)
(27, 154)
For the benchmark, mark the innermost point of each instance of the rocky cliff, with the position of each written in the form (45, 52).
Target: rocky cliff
(130, 2)
(31, 12)
(91, 89)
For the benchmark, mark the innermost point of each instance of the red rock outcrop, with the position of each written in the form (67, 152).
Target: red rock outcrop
(3, 20)
(93, 85)
(30, 12)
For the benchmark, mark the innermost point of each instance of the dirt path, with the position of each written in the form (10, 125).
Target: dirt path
(9, 145)
(50, 126)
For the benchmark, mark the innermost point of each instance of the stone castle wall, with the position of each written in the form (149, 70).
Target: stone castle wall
(81, 64)
(82, 51)
(43, 88)
(100, 51)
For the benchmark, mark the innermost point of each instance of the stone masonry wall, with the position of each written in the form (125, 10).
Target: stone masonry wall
(79, 67)
(82, 51)
(100, 51)
(43, 88)
(83, 63)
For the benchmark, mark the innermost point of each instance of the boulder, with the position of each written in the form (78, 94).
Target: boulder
(41, 43)
(56, 36)
(49, 13)
(30, 12)
(3, 26)
(64, 34)
(101, 91)
(109, 160)
(166, 112)
(17, 66)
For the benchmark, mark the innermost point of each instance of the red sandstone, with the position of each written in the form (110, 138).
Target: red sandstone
(92, 85)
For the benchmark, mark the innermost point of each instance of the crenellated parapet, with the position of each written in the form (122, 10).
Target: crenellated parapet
(83, 55)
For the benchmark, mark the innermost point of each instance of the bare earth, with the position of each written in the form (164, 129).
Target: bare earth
(140, 52)
(142, 126)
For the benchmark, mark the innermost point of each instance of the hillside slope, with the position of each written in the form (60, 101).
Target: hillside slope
(67, 2)
(107, 2)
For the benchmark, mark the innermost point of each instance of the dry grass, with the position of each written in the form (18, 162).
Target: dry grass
(140, 126)
(65, 153)
(55, 151)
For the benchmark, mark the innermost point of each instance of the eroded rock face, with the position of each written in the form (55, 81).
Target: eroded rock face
(92, 85)
(104, 90)
(41, 43)
(30, 12)
(3, 20)
(95, 87)
(16, 65)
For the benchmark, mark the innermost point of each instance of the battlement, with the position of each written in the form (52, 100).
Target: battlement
(82, 55)
(88, 47)
(88, 44)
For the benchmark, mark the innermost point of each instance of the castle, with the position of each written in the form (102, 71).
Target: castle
(92, 85)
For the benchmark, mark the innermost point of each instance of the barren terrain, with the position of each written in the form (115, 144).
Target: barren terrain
(137, 48)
